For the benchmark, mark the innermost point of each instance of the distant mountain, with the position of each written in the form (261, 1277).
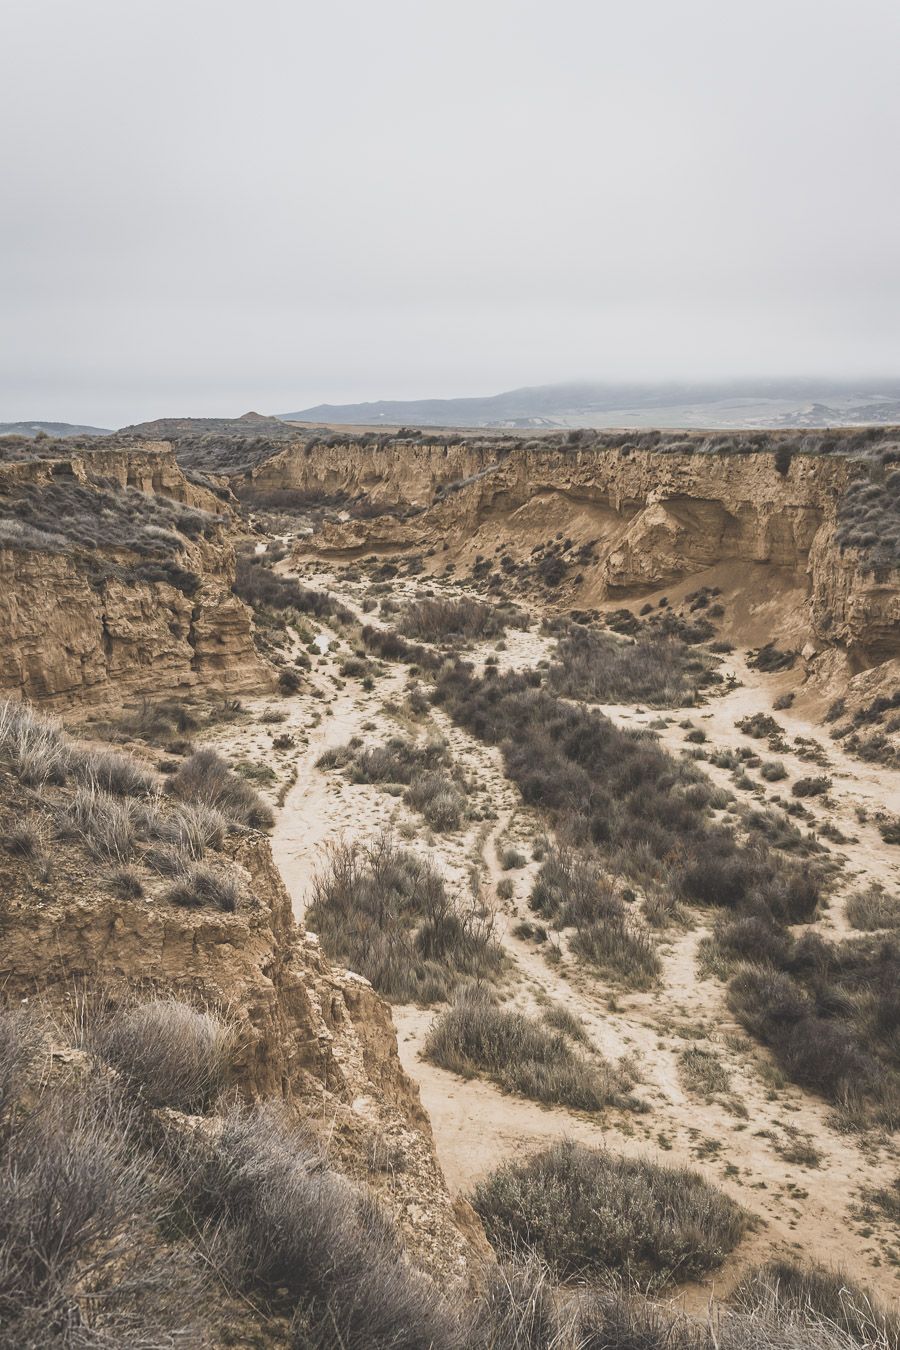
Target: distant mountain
(763, 403)
(168, 428)
(50, 429)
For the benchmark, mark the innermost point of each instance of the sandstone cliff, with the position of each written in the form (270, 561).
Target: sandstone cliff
(654, 518)
(99, 599)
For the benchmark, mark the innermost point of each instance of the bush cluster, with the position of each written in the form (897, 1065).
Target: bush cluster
(436, 618)
(659, 671)
(620, 791)
(522, 1055)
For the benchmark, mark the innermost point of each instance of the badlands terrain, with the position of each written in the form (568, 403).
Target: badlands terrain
(450, 888)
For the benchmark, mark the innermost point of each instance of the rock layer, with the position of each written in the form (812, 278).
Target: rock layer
(78, 627)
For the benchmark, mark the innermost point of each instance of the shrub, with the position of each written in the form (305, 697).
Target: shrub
(506, 888)
(816, 1052)
(258, 586)
(125, 883)
(702, 1072)
(770, 659)
(435, 618)
(520, 1054)
(438, 798)
(103, 823)
(191, 828)
(168, 1052)
(620, 791)
(35, 749)
(82, 1262)
(759, 725)
(111, 772)
(26, 838)
(207, 779)
(773, 771)
(511, 859)
(20, 1038)
(621, 948)
(386, 914)
(819, 1299)
(810, 787)
(586, 1212)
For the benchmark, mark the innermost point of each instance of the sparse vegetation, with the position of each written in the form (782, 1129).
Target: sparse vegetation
(207, 779)
(436, 618)
(386, 914)
(873, 908)
(662, 672)
(169, 1053)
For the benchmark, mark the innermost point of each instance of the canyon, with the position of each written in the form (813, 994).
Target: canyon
(127, 593)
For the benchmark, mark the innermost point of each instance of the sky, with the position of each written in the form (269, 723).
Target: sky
(210, 206)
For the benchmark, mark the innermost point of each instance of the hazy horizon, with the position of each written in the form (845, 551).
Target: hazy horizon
(211, 209)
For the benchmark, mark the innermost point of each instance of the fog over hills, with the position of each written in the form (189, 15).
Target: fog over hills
(763, 403)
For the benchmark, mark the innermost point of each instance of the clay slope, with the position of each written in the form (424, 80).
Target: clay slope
(115, 580)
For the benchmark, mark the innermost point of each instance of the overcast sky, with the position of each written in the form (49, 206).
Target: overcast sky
(216, 205)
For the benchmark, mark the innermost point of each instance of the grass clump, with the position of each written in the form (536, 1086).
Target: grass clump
(169, 1053)
(588, 1213)
(574, 893)
(702, 1072)
(386, 914)
(521, 1054)
(205, 778)
(198, 885)
(873, 908)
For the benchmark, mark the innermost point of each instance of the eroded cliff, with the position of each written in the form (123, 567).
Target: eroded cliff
(115, 580)
(637, 521)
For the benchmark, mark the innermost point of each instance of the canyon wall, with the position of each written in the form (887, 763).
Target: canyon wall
(91, 626)
(655, 518)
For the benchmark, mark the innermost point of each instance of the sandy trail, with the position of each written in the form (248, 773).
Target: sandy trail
(805, 1210)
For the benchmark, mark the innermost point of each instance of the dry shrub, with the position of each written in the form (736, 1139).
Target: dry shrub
(437, 617)
(105, 824)
(83, 1264)
(820, 1300)
(303, 1234)
(169, 1053)
(586, 1212)
(521, 1054)
(439, 800)
(601, 668)
(574, 893)
(386, 914)
(872, 909)
(205, 778)
(198, 884)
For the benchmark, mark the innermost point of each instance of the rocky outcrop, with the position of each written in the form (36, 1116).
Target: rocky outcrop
(654, 519)
(317, 1038)
(89, 626)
